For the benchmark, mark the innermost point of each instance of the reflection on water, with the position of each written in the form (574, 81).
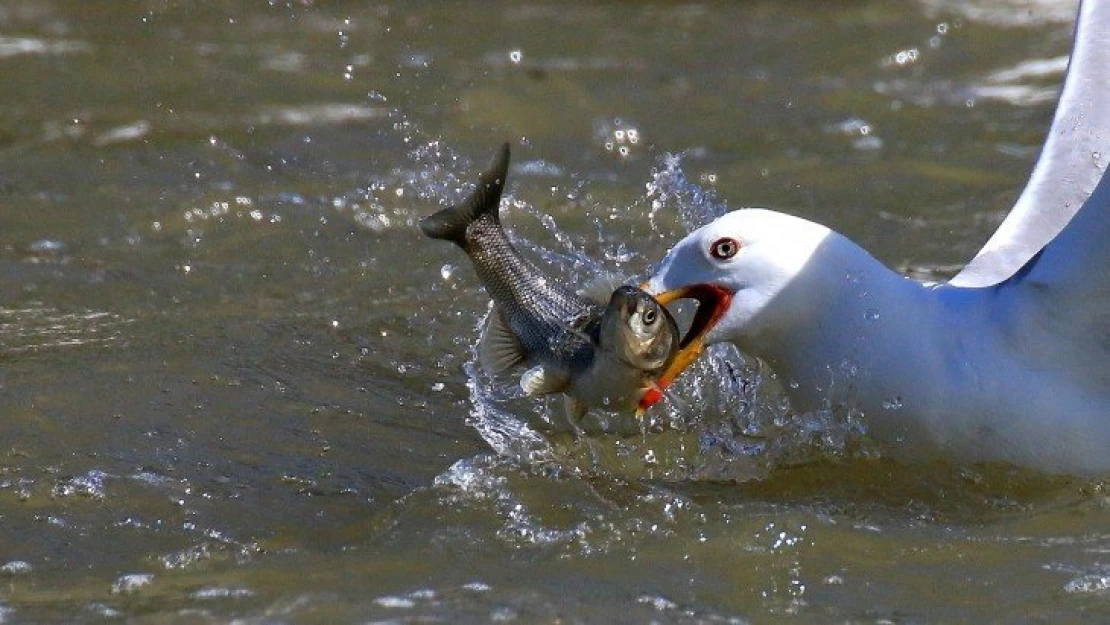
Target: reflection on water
(33, 329)
(238, 384)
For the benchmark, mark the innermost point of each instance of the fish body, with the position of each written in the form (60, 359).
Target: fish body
(605, 355)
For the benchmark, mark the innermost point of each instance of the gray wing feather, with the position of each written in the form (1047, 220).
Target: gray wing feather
(1071, 163)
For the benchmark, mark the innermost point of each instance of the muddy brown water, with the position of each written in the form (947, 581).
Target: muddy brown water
(235, 382)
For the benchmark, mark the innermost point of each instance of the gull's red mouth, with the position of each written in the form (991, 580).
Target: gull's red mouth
(713, 302)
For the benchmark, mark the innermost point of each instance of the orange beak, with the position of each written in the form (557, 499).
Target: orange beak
(713, 302)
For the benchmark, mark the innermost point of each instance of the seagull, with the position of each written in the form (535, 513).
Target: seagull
(1009, 361)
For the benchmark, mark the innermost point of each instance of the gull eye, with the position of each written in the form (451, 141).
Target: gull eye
(648, 317)
(724, 249)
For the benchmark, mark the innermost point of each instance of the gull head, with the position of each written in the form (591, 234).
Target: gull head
(744, 270)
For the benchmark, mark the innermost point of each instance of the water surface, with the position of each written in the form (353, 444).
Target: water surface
(237, 382)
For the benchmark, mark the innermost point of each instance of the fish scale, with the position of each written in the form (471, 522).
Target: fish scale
(548, 318)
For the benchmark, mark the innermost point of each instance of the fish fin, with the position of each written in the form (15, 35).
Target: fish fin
(450, 224)
(541, 380)
(575, 409)
(499, 349)
(600, 288)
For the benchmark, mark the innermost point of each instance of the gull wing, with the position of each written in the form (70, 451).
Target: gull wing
(1070, 166)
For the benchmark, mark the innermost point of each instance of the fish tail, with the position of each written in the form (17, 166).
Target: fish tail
(450, 224)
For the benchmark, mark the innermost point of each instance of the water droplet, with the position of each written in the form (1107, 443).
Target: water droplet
(902, 58)
(447, 271)
(438, 386)
(649, 457)
(515, 56)
(893, 403)
(871, 314)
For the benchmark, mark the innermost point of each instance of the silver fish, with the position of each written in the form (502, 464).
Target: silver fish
(599, 355)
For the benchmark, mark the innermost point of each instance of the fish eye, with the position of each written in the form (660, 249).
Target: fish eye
(648, 317)
(725, 248)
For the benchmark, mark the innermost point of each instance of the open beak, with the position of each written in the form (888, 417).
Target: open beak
(713, 302)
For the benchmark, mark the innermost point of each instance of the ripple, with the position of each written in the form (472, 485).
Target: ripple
(859, 131)
(123, 134)
(17, 46)
(131, 583)
(390, 601)
(37, 328)
(220, 592)
(313, 114)
(1089, 585)
(517, 58)
(1004, 13)
(15, 567)
(89, 485)
(1014, 85)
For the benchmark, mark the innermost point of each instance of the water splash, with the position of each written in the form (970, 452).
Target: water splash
(669, 189)
(724, 419)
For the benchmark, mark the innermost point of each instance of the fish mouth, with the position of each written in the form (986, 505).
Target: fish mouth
(713, 302)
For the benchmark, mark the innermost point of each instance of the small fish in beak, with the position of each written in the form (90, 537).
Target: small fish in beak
(713, 301)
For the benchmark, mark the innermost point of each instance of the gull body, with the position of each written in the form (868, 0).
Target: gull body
(1008, 361)
(985, 373)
